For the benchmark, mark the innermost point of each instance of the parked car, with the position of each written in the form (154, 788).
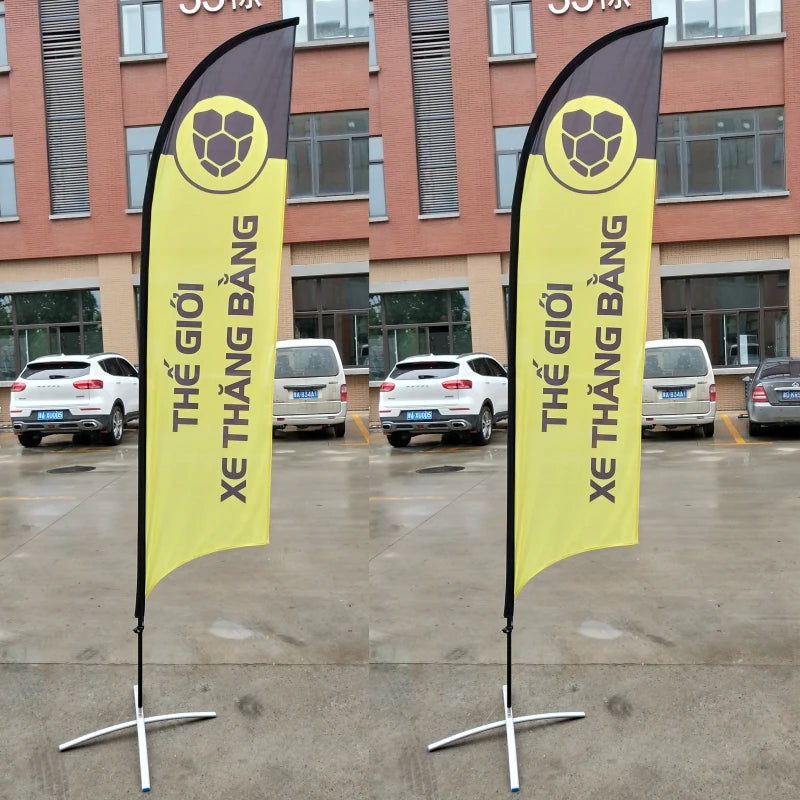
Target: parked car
(443, 394)
(773, 394)
(310, 388)
(74, 394)
(678, 388)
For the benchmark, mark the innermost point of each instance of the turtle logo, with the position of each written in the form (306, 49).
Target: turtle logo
(221, 145)
(590, 145)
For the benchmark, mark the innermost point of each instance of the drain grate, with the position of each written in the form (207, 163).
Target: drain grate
(76, 468)
(443, 468)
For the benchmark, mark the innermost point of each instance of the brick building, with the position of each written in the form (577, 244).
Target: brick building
(84, 85)
(453, 87)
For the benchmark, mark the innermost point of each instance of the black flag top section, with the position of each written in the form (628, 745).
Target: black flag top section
(581, 232)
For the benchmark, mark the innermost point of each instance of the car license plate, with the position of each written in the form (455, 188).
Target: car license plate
(50, 415)
(673, 394)
(416, 415)
(791, 394)
(305, 394)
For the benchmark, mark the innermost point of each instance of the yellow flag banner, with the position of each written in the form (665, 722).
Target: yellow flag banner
(580, 261)
(211, 257)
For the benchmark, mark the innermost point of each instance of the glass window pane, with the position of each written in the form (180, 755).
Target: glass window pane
(510, 138)
(358, 17)
(377, 191)
(142, 137)
(415, 307)
(775, 289)
(705, 122)
(698, 19)
(669, 125)
(724, 292)
(459, 305)
(501, 30)
(90, 305)
(153, 39)
(8, 191)
(137, 178)
(46, 307)
(5, 309)
(69, 339)
(674, 328)
(770, 119)
(362, 340)
(361, 165)
(405, 342)
(3, 50)
(462, 338)
(299, 126)
(375, 310)
(774, 336)
(8, 364)
(36, 342)
(668, 157)
(703, 167)
(131, 30)
(666, 8)
(738, 165)
(506, 177)
(768, 16)
(523, 39)
(299, 157)
(306, 328)
(773, 162)
(342, 122)
(733, 18)
(348, 291)
(673, 294)
(92, 338)
(6, 148)
(329, 19)
(721, 336)
(304, 294)
(376, 148)
(373, 55)
(333, 162)
(297, 8)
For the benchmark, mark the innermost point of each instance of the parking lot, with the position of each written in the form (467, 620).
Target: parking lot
(337, 653)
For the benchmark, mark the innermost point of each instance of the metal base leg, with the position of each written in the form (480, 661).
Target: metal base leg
(139, 722)
(508, 723)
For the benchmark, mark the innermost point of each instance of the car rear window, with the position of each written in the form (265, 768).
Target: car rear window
(674, 362)
(48, 370)
(420, 370)
(306, 362)
(789, 369)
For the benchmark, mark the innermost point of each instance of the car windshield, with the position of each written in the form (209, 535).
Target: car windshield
(781, 369)
(682, 361)
(421, 370)
(48, 370)
(305, 362)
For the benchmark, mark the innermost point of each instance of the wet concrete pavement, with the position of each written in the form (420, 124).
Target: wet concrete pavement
(370, 627)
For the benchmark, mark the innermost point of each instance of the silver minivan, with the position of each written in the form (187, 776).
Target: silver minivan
(310, 388)
(678, 388)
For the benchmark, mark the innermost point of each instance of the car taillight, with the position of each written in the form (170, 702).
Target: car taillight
(18, 386)
(460, 383)
(760, 395)
(343, 392)
(712, 393)
(387, 386)
(91, 383)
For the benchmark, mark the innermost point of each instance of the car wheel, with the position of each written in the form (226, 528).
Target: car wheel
(708, 430)
(485, 426)
(117, 425)
(754, 428)
(399, 439)
(30, 439)
(338, 429)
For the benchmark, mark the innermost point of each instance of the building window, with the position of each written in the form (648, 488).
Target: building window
(721, 153)
(141, 26)
(377, 187)
(510, 27)
(707, 19)
(508, 143)
(329, 19)
(373, 53)
(328, 154)
(39, 323)
(334, 308)
(410, 323)
(741, 318)
(8, 183)
(3, 48)
(139, 146)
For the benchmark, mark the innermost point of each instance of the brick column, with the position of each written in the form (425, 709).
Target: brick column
(118, 305)
(655, 329)
(486, 305)
(285, 305)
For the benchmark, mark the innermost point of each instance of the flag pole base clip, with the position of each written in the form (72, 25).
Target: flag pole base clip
(139, 722)
(508, 723)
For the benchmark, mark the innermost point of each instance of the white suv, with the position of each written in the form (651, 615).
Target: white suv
(443, 394)
(74, 394)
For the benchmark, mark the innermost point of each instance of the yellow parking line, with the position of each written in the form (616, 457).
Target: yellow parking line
(50, 497)
(415, 497)
(737, 437)
(362, 427)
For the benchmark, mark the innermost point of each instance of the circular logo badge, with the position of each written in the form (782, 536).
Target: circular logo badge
(221, 145)
(590, 145)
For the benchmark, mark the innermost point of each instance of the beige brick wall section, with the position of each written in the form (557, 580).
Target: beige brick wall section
(724, 250)
(285, 307)
(357, 392)
(118, 305)
(5, 419)
(654, 327)
(730, 392)
(417, 269)
(47, 269)
(330, 252)
(486, 304)
(794, 295)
